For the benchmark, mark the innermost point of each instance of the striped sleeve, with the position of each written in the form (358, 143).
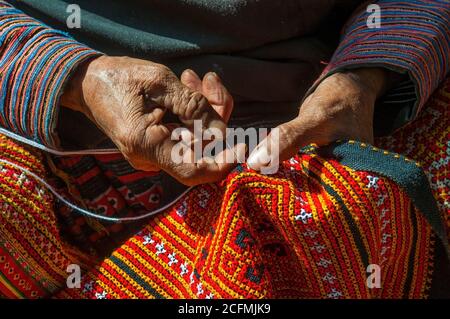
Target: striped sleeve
(413, 38)
(35, 62)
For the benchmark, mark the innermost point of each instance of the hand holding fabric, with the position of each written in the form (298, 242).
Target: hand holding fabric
(127, 98)
(341, 107)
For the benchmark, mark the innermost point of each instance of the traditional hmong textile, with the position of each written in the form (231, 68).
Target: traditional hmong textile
(301, 235)
(33, 257)
(309, 231)
(107, 185)
(427, 140)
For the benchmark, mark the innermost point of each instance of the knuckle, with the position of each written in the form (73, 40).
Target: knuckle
(156, 76)
(181, 100)
(197, 105)
(163, 74)
(163, 69)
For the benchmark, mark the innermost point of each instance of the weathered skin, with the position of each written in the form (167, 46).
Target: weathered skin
(128, 97)
(341, 107)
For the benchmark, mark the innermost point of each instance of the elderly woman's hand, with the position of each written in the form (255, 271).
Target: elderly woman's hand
(127, 99)
(341, 107)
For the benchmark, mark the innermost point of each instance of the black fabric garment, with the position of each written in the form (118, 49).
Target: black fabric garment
(267, 52)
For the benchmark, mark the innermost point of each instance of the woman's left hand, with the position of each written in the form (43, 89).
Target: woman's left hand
(341, 107)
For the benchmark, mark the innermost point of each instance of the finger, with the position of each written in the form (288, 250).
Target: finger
(282, 143)
(217, 95)
(189, 105)
(191, 80)
(155, 115)
(209, 170)
(204, 170)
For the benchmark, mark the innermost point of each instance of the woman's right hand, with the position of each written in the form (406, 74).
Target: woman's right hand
(127, 98)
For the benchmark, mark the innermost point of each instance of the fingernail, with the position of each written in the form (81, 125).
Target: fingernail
(185, 73)
(187, 77)
(211, 78)
(259, 158)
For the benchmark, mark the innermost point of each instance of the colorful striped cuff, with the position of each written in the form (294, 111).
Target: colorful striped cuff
(35, 62)
(413, 39)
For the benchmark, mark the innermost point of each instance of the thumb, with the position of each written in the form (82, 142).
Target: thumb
(282, 143)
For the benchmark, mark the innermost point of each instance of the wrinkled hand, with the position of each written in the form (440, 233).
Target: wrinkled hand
(127, 99)
(341, 107)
